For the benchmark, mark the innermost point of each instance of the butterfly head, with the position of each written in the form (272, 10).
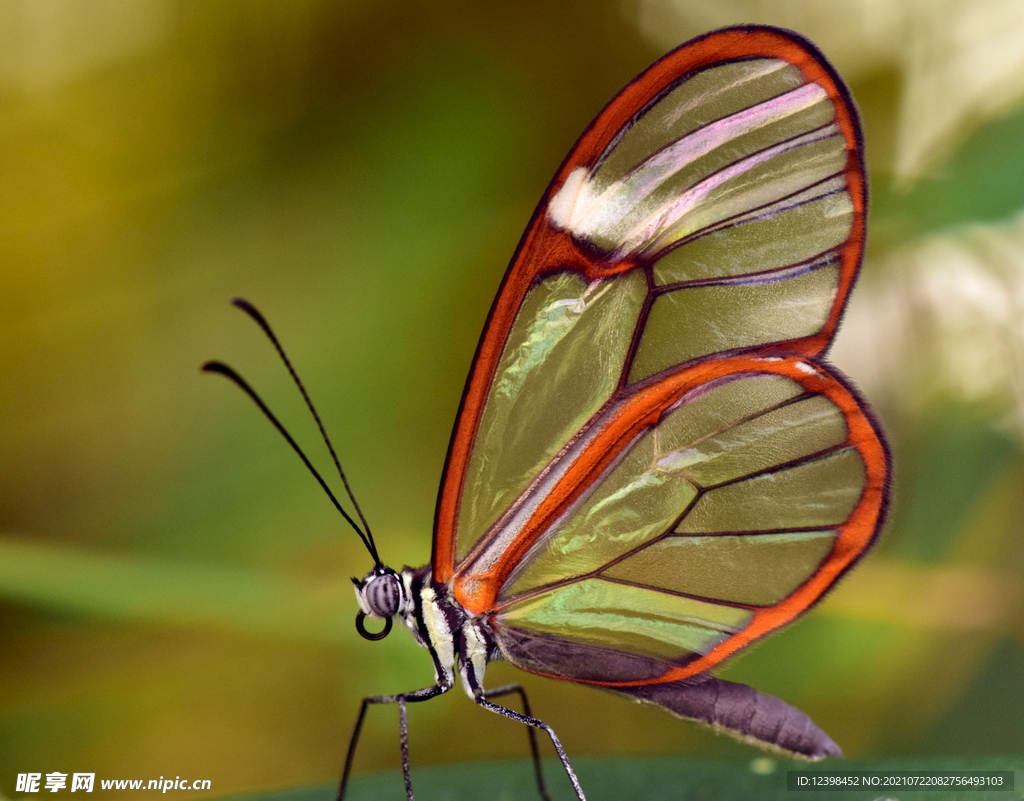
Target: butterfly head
(381, 594)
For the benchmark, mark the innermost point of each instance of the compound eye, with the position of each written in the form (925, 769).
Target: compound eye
(383, 595)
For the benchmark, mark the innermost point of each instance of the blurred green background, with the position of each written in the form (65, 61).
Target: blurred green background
(174, 588)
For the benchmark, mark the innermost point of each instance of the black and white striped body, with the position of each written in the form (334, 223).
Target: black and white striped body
(455, 641)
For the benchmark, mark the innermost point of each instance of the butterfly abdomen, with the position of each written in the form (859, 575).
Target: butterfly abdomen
(741, 712)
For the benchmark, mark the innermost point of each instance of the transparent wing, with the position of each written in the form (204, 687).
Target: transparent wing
(715, 207)
(700, 515)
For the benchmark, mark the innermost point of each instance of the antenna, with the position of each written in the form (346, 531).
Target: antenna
(219, 367)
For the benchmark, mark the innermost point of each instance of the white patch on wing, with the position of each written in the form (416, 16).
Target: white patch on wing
(624, 217)
(561, 207)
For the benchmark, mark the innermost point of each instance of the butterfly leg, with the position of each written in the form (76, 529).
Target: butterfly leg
(517, 689)
(403, 729)
(480, 696)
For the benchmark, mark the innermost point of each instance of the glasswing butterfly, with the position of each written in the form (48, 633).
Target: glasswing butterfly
(653, 466)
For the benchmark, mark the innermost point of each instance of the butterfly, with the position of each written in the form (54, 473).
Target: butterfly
(653, 466)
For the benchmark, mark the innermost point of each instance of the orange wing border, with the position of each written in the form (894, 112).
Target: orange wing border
(544, 249)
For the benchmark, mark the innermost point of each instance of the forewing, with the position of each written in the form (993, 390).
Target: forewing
(698, 515)
(715, 206)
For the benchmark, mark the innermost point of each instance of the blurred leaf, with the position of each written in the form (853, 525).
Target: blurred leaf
(951, 460)
(135, 589)
(988, 717)
(983, 181)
